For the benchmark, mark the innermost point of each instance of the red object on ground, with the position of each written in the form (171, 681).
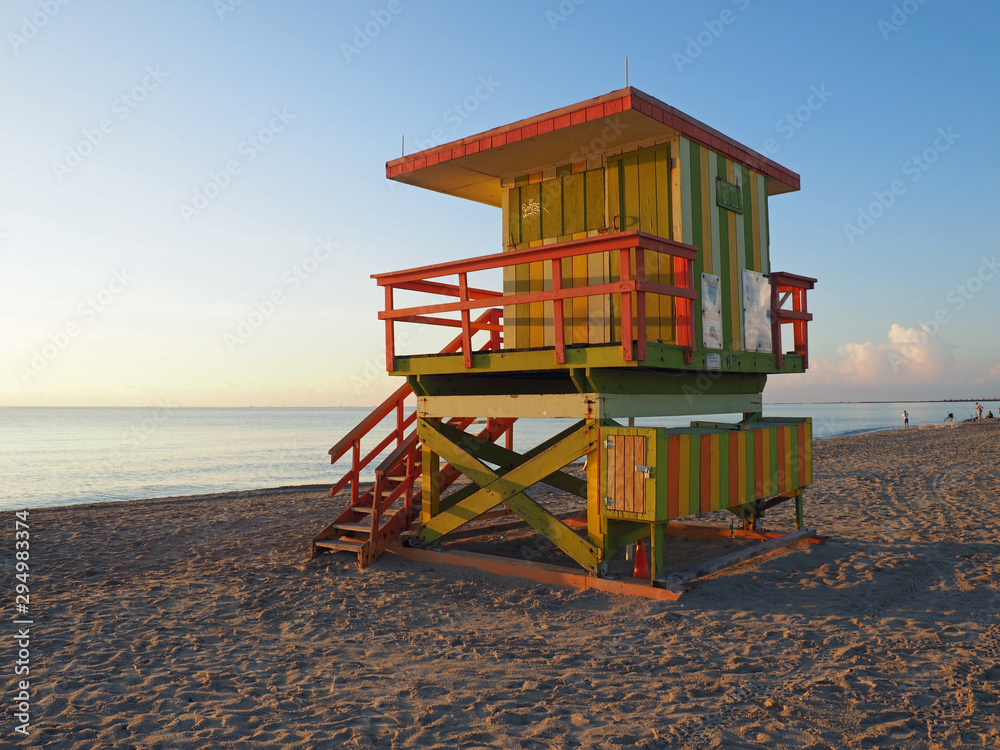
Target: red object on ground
(641, 569)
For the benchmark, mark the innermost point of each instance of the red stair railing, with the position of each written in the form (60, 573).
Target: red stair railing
(490, 321)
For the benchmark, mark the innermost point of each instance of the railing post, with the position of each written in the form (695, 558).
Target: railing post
(390, 333)
(355, 470)
(557, 312)
(640, 304)
(463, 295)
(625, 275)
(495, 317)
(776, 326)
(399, 422)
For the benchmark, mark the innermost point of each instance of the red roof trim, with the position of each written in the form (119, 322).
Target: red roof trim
(603, 106)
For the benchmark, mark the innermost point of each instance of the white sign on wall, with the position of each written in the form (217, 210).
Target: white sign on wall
(711, 312)
(756, 312)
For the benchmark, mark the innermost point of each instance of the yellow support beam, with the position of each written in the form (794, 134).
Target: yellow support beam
(507, 488)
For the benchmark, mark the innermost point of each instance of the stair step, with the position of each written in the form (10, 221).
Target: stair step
(344, 543)
(362, 508)
(361, 526)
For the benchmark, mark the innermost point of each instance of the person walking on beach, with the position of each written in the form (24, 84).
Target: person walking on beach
(906, 419)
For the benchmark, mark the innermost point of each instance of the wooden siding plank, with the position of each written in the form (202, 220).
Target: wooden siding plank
(770, 461)
(733, 471)
(552, 209)
(717, 470)
(714, 211)
(753, 252)
(684, 475)
(732, 263)
(760, 252)
(758, 464)
(574, 204)
(705, 482)
(594, 198)
(673, 475)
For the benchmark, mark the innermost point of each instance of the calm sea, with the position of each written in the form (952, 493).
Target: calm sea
(65, 456)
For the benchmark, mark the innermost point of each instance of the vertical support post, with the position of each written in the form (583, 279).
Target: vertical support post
(355, 470)
(800, 520)
(408, 497)
(390, 333)
(399, 422)
(657, 548)
(557, 312)
(684, 278)
(776, 326)
(640, 305)
(463, 296)
(430, 496)
(597, 530)
(625, 274)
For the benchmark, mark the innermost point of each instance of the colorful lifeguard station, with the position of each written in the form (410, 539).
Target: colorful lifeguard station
(636, 282)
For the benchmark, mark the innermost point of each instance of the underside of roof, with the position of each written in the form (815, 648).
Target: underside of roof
(473, 167)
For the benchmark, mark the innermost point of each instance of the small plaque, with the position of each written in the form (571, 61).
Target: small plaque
(713, 361)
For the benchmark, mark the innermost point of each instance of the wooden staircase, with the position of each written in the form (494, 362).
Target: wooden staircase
(374, 519)
(387, 509)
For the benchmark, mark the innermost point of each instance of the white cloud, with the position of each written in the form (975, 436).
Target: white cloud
(908, 356)
(909, 363)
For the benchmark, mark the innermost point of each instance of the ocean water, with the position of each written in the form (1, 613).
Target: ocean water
(66, 456)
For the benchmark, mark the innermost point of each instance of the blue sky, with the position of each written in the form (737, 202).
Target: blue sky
(168, 170)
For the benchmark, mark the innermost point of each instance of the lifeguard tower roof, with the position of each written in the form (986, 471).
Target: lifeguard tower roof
(473, 167)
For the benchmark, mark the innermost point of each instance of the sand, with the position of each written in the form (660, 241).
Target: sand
(199, 623)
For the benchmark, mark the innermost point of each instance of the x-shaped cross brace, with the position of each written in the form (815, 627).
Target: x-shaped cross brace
(506, 484)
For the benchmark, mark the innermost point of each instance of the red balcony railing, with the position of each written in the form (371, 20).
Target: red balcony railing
(630, 289)
(787, 287)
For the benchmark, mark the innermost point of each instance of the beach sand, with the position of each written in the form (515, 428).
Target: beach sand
(199, 623)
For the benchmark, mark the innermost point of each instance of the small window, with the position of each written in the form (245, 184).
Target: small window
(728, 195)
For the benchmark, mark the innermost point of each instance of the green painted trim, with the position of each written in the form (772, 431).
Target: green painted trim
(724, 470)
(725, 268)
(694, 477)
(542, 360)
(715, 217)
